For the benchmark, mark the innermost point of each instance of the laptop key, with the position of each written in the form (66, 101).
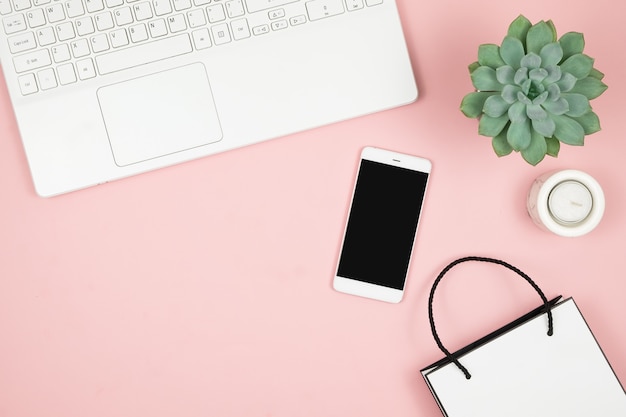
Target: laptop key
(47, 79)
(201, 38)
(258, 5)
(143, 54)
(66, 74)
(221, 34)
(234, 8)
(5, 7)
(28, 85)
(319, 9)
(354, 5)
(32, 60)
(240, 28)
(14, 24)
(20, 5)
(22, 42)
(85, 69)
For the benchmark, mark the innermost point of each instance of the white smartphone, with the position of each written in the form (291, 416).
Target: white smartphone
(382, 224)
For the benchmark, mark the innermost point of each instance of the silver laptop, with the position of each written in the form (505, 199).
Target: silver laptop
(104, 89)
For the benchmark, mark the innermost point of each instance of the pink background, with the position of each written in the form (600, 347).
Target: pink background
(204, 289)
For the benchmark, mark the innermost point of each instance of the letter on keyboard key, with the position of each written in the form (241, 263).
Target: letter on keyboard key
(45, 36)
(35, 18)
(119, 38)
(74, 8)
(161, 7)
(55, 13)
(142, 11)
(258, 5)
(319, 9)
(143, 54)
(138, 33)
(94, 5)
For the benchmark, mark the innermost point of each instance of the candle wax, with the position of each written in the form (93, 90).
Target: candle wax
(570, 202)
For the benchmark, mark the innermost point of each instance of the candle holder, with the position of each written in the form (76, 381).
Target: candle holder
(568, 203)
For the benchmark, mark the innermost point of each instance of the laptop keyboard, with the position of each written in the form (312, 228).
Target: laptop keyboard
(62, 42)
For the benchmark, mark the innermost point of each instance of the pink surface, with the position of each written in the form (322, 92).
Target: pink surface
(204, 289)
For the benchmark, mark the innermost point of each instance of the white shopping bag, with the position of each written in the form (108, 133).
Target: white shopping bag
(544, 364)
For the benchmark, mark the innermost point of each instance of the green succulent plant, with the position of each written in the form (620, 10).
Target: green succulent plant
(533, 91)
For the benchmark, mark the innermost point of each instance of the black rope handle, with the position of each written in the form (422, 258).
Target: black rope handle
(479, 259)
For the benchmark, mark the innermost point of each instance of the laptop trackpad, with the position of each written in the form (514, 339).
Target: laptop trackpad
(159, 114)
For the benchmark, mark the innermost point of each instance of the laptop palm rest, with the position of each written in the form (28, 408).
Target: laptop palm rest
(159, 114)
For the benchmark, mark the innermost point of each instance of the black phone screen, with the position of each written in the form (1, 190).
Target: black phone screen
(382, 224)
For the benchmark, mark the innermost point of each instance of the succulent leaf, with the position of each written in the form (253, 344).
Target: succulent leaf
(554, 74)
(505, 75)
(491, 126)
(512, 51)
(522, 96)
(557, 107)
(541, 98)
(519, 28)
(590, 122)
(572, 43)
(545, 127)
(489, 56)
(518, 135)
(554, 92)
(578, 65)
(596, 74)
(484, 79)
(551, 54)
(536, 150)
(590, 87)
(538, 75)
(500, 145)
(495, 106)
(509, 93)
(578, 104)
(536, 112)
(568, 130)
(517, 112)
(521, 76)
(531, 61)
(473, 103)
(554, 146)
(550, 24)
(567, 82)
(538, 36)
(473, 66)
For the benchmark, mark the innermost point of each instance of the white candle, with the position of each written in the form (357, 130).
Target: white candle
(568, 203)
